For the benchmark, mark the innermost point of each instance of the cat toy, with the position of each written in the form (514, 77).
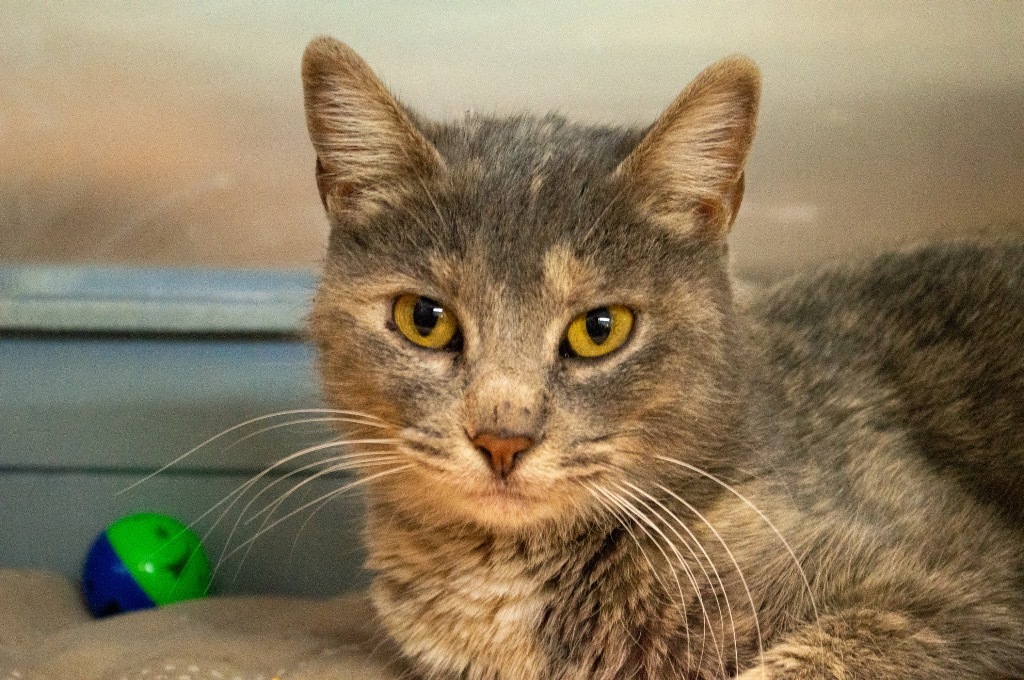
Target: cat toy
(144, 560)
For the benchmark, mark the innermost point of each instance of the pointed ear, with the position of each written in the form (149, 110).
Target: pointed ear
(687, 171)
(367, 147)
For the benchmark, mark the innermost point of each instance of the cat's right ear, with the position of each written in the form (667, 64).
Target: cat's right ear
(367, 147)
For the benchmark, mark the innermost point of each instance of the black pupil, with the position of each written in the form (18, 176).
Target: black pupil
(599, 325)
(425, 315)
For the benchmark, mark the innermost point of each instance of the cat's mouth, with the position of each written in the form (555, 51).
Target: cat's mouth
(503, 492)
(503, 498)
(501, 504)
(515, 495)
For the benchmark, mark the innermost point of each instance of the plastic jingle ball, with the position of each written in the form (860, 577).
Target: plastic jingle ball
(141, 561)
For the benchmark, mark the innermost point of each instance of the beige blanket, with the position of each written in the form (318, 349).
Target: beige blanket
(46, 634)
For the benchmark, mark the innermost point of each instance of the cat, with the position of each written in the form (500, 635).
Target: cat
(607, 465)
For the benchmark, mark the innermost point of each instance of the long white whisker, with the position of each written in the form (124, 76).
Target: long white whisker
(719, 647)
(235, 428)
(600, 218)
(291, 423)
(353, 460)
(235, 495)
(711, 563)
(735, 563)
(331, 494)
(239, 492)
(796, 561)
(705, 619)
(334, 464)
(433, 202)
(316, 510)
(610, 505)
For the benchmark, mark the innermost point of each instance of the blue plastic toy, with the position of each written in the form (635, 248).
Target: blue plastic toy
(141, 561)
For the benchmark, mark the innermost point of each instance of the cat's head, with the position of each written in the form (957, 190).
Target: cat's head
(535, 307)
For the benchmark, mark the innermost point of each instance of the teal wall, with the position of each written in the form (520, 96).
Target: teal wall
(87, 411)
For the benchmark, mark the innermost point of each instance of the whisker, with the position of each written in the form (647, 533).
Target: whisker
(735, 562)
(314, 512)
(353, 460)
(290, 423)
(711, 563)
(337, 464)
(785, 543)
(233, 497)
(238, 492)
(597, 221)
(433, 201)
(336, 492)
(235, 428)
(610, 509)
(709, 627)
(705, 619)
(334, 466)
(610, 506)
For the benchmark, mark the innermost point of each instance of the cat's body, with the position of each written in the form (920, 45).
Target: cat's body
(820, 483)
(873, 399)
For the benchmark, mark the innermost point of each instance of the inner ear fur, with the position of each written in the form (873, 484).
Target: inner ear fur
(687, 171)
(367, 146)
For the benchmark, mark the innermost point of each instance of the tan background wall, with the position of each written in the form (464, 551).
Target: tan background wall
(132, 133)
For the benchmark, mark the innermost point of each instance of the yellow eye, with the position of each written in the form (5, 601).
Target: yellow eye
(426, 322)
(598, 332)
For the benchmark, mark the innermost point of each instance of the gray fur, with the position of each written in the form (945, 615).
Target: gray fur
(872, 415)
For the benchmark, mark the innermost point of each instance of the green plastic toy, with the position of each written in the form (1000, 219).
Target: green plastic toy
(144, 560)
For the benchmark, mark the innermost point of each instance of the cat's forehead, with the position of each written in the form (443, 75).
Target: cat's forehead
(529, 135)
(524, 192)
(524, 207)
(530, 158)
(556, 277)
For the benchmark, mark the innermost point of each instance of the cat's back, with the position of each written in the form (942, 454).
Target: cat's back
(928, 342)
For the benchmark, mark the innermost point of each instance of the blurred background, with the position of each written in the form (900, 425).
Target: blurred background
(159, 222)
(173, 133)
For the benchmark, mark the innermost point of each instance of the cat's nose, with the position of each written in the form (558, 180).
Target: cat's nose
(501, 452)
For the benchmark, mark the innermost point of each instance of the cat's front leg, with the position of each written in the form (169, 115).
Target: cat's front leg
(868, 645)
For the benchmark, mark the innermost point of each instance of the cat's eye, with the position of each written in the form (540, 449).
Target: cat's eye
(426, 322)
(598, 332)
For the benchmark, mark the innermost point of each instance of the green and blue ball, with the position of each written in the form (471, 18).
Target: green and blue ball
(144, 560)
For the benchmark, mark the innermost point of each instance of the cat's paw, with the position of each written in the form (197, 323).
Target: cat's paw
(791, 662)
(757, 673)
(769, 672)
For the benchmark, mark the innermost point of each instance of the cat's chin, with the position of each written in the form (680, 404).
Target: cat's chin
(511, 517)
(500, 507)
(503, 508)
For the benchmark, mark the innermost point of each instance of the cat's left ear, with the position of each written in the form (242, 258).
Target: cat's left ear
(687, 171)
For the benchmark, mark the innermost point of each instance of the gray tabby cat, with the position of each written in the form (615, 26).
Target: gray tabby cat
(605, 466)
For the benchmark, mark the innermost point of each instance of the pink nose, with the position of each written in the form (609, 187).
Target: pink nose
(501, 452)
